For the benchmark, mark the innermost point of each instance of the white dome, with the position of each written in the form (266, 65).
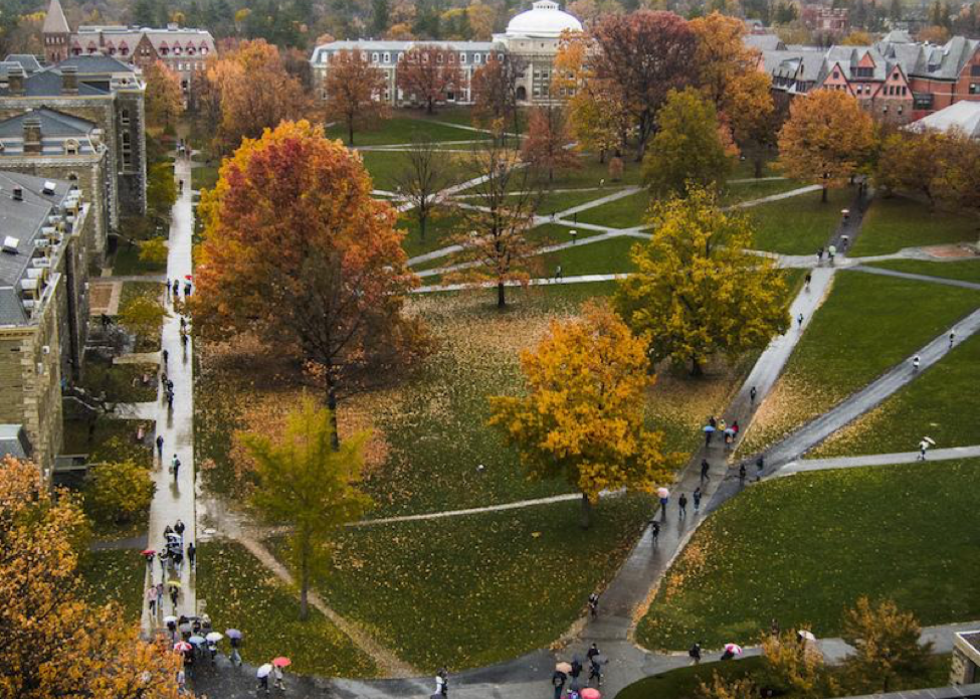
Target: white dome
(544, 20)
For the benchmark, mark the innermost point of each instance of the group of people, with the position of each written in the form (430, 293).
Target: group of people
(570, 674)
(171, 559)
(729, 432)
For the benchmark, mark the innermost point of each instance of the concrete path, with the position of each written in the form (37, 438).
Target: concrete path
(907, 457)
(615, 196)
(916, 277)
(139, 411)
(582, 279)
(775, 197)
(175, 499)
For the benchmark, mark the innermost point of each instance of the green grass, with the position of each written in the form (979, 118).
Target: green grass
(481, 589)
(684, 682)
(115, 575)
(112, 440)
(895, 223)
(868, 324)
(126, 262)
(749, 191)
(967, 270)
(802, 549)
(204, 177)
(798, 225)
(607, 257)
(628, 212)
(556, 202)
(439, 230)
(122, 383)
(943, 403)
(403, 128)
(241, 593)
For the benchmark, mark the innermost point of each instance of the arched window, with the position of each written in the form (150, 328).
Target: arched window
(71, 147)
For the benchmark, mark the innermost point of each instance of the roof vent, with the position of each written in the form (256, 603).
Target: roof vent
(18, 194)
(10, 244)
(49, 187)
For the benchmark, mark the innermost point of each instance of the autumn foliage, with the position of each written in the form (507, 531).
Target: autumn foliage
(428, 73)
(54, 643)
(583, 417)
(355, 91)
(494, 87)
(546, 147)
(164, 97)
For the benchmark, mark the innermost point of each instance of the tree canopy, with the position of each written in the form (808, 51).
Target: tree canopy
(355, 91)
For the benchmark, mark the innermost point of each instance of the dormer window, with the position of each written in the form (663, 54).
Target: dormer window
(71, 147)
(176, 50)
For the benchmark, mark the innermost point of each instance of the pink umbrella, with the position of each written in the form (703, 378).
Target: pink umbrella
(182, 646)
(590, 693)
(282, 662)
(663, 492)
(733, 648)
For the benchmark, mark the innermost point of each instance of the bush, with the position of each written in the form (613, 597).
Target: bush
(154, 252)
(118, 491)
(616, 169)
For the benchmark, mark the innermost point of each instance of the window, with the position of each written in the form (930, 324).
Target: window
(486, 58)
(374, 57)
(387, 57)
(176, 50)
(904, 91)
(476, 58)
(190, 50)
(71, 147)
(204, 50)
(125, 117)
(884, 110)
(900, 109)
(975, 70)
(836, 75)
(439, 58)
(462, 58)
(974, 89)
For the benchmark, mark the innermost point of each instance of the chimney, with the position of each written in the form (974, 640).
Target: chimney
(18, 194)
(32, 134)
(15, 79)
(69, 80)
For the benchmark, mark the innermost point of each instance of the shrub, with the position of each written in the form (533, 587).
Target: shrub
(616, 169)
(154, 252)
(117, 491)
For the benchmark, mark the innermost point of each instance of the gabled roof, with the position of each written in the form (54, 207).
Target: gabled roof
(26, 61)
(52, 124)
(95, 64)
(764, 42)
(54, 20)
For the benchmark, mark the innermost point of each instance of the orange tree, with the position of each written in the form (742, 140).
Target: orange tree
(428, 73)
(546, 147)
(297, 251)
(164, 98)
(583, 416)
(495, 91)
(355, 91)
(54, 644)
(825, 139)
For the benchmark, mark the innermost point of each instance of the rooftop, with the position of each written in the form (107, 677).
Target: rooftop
(544, 20)
(964, 116)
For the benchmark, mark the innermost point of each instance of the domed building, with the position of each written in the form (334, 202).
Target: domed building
(532, 35)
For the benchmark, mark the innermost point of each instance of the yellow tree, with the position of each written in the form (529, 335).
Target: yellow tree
(916, 163)
(54, 643)
(887, 648)
(697, 291)
(355, 91)
(546, 147)
(826, 138)
(306, 483)
(582, 419)
(164, 98)
(796, 668)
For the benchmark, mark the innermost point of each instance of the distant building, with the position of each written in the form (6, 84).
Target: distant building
(825, 20)
(962, 116)
(43, 309)
(532, 35)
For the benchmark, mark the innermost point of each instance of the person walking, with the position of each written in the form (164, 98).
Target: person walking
(663, 506)
(179, 528)
(705, 467)
(696, 496)
(592, 652)
(176, 287)
(558, 680)
(741, 472)
(915, 363)
(595, 669)
(163, 563)
(819, 256)
(174, 594)
(752, 394)
(923, 448)
(682, 506)
(952, 337)
(558, 273)
(170, 400)
(235, 657)
(655, 531)
(695, 653)
(192, 555)
(159, 595)
(160, 446)
(576, 668)
(442, 683)
(808, 279)
(181, 682)
(166, 356)
(151, 599)
(594, 605)
(175, 464)
(799, 320)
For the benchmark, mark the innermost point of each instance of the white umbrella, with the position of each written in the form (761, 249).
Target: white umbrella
(806, 635)
(169, 620)
(264, 671)
(663, 493)
(733, 648)
(214, 637)
(929, 439)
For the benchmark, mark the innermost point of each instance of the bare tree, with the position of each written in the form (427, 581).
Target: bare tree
(422, 179)
(495, 91)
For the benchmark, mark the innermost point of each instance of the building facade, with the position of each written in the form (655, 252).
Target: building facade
(533, 36)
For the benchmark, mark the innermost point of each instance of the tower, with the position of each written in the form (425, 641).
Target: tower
(56, 34)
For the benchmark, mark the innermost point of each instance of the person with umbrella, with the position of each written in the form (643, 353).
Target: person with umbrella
(559, 678)
(590, 693)
(924, 447)
(695, 653)
(171, 622)
(731, 650)
(277, 666)
(262, 674)
(664, 496)
(235, 639)
(595, 665)
(442, 683)
(708, 431)
(212, 639)
(148, 555)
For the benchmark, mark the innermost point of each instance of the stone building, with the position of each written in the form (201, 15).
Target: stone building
(99, 90)
(44, 226)
(532, 35)
(965, 665)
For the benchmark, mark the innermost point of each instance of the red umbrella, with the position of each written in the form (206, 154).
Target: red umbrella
(182, 646)
(282, 662)
(147, 552)
(188, 277)
(590, 693)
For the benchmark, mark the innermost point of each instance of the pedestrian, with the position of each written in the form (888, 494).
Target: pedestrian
(845, 240)
(213, 650)
(809, 278)
(166, 356)
(663, 507)
(752, 394)
(594, 605)
(174, 593)
(558, 273)
(180, 186)
(181, 682)
(741, 472)
(915, 363)
(183, 323)
(799, 320)
(708, 431)
(774, 627)
(176, 287)
(160, 446)
(558, 680)
(264, 683)
(696, 496)
(576, 667)
(175, 467)
(183, 340)
(149, 555)
(592, 652)
(151, 599)
(235, 657)
(163, 563)
(192, 555)
(820, 256)
(442, 683)
(705, 467)
(187, 290)
(952, 337)
(682, 506)
(178, 557)
(654, 531)
(830, 255)
(695, 653)
(595, 670)
(170, 400)
(179, 529)
(159, 593)
(167, 286)
(735, 429)
(923, 448)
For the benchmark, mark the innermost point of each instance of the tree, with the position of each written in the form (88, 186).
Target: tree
(722, 688)
(493, 230)
(582, 419)
(645, 55)
(428, 73)
(164, 97)
(494, 87)
(688, 148)
(161, 192)
(962, 177)
(54, 643)
(886, 647)
(825, 138)
(306, 483)
(421, 180)
(697, 291)
(297, 251)
(917, 163)
(118, 491)
(857, 38)
(380, 16)
(154, 252)
(143, 315)
(355, 90)
(547, 144)
(796, 668)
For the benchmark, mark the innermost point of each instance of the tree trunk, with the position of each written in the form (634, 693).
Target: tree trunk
(758, 166)
(823, 195)
(430, 107)
(304, 586)
(696, 369)
(422, 219)
(501, 299)
(350, 132)
(586, 514)
(332, 405)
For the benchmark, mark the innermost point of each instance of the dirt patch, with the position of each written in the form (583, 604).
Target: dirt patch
(100, 296)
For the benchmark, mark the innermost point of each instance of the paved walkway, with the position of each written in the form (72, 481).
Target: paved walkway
(175, 500)
(906, 457)
(916, 277)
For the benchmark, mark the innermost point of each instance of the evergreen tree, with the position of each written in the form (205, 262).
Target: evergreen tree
(896, 10)
(380, 16)
(144, 13)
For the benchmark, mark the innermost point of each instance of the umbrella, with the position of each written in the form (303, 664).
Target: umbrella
(233, 633)
(663, 493)
(590, 693)
(214, 637)
(196, 640)
(147, 552)
(263, 671)
(188, 277)
(174, 583)
(733, 648)
(806, 635)
(708, 428)
(282, 661)
(185, 627)
(832, 249)
(563, 667)
(182, 646)
(600, 659)
(729, 431)
(169, 620)
(929, 439)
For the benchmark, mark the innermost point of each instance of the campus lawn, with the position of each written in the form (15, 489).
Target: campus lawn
(966, 270)
(439, 231)
(606, 257)
(241, 593)
(404, 128)
(802, 549)
(895, 223)
(111, 440)
(628, 212)
(122, 383)
(115, 575)
(749, 191)
(684, 682)
(203, 177)
(126, 262)
(558, 201)
(868, 324)
(798, 225)
(591, 173)
(470, 591)
(943, 404)
(554, 233)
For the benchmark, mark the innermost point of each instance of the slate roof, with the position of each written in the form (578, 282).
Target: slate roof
(764, 42)
(26, 61)
(54, 20)
(929, 61)
(95, 64)
(115, 36)
(56, 128)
